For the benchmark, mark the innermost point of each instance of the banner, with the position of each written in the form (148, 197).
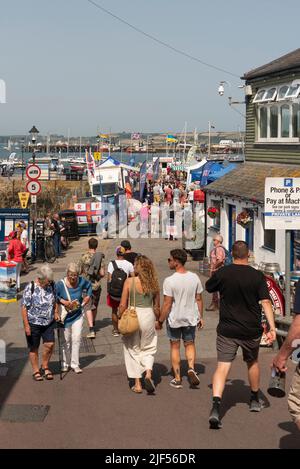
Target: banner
(156, 168)
(90, 162)
(143, 175)
(206, 171)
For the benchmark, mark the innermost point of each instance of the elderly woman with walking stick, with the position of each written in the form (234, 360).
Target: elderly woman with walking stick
(73, 294)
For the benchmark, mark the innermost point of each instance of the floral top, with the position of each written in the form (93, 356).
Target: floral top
(40, 304)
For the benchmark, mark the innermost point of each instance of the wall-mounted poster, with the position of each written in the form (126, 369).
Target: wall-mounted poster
(8, 278)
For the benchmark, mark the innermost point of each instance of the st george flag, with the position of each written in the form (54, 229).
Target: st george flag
(90, 163)
(156, 170)
(143, 176)
(135, 136)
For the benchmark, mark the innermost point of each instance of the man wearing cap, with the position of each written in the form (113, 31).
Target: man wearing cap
(114, 301)
(129, 255)
(217, 259)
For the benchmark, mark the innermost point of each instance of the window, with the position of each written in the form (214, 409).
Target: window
(263, 122)
(296, 120)
(259, 96)
(274, 122)
(293, 91)
(282, 92)
(285, 121)
(269, 238)
(279, 123)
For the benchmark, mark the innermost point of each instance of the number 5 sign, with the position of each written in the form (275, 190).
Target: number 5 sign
(33, 187)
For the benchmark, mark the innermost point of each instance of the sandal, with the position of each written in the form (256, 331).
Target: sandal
(137, 391)
(37, 376)
(48, 376)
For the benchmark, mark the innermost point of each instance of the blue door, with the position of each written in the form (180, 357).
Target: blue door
(232, 225)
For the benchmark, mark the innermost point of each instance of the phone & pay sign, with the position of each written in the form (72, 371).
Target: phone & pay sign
(282, 204)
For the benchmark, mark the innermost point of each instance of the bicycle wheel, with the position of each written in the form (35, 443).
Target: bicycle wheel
(50, 255)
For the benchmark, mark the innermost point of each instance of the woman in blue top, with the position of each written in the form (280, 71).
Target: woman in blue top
(70, 293)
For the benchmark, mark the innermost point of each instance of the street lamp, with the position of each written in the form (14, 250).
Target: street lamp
(33, 132)
(23, 143)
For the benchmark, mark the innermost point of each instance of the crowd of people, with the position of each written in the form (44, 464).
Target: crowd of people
(56, 227)
(132, 281)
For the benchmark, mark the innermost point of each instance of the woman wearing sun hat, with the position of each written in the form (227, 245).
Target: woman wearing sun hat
(115, 284)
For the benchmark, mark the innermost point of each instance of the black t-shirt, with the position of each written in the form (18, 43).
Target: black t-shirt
(130, 257)
(297, 299)
(241, 288)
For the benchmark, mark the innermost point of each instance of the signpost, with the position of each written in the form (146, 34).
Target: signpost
(282, 212)
(33, 186)
(24, 198)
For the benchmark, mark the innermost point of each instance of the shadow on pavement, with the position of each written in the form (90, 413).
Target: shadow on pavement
(84, 362)
(15, 368)
(238, 392)
(291, 441)
(105, 322)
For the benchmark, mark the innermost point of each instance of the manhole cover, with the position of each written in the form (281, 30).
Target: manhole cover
(24, 413)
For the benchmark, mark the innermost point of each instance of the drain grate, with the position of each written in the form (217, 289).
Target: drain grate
(24, 413)
(86, 346)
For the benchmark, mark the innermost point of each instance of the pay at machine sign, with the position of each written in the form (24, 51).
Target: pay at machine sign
(282, 204)
(33, 187)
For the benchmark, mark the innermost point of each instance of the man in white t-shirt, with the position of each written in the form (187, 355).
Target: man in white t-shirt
(127, 267)
(183, 308)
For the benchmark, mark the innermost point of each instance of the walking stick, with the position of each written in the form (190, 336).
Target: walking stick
(60, 358)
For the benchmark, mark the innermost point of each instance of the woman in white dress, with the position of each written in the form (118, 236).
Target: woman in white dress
(140, 347)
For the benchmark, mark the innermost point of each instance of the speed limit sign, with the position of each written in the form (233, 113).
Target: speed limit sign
(33, 187)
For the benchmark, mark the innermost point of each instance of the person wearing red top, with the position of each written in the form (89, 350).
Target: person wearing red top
(15, 251)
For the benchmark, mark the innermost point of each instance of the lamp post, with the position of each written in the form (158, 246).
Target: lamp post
(23, 142)
(33, 132)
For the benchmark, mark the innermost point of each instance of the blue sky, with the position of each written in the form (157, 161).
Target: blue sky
(67, 65)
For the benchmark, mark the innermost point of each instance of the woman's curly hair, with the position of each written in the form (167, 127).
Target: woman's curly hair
(145, 269)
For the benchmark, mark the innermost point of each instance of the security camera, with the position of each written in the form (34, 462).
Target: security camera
(221, 90)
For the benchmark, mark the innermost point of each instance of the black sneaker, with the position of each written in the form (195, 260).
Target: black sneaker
(193, 377)
(175, 384)
(255, 406)
(214, 419)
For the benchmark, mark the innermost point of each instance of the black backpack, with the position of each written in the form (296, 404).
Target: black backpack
(118, 277)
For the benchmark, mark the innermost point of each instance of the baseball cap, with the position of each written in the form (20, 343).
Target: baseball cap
(126, 244)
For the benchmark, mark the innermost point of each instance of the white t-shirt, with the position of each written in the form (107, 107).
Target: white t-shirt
(122, 264)
(183, 288)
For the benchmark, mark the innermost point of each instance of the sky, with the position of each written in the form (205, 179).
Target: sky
(70, 67)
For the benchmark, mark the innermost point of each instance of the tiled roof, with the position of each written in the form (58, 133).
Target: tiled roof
(247, 181)
(286, 62)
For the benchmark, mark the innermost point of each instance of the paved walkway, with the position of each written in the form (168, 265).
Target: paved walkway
(97, 409)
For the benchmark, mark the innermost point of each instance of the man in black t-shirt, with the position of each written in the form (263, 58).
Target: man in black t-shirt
(129, 255)
(291, 347)
(242, 289)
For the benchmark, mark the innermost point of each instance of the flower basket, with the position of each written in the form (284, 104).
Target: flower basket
(212, 212)
(244, 219)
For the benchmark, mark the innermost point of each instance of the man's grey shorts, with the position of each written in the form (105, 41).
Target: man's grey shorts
(227, 349)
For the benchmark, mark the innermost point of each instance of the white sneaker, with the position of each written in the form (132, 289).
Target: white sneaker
(77, 370)
(91, 335)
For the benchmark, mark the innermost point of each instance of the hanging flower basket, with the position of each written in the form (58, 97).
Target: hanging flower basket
(244, 219)
(212, 212)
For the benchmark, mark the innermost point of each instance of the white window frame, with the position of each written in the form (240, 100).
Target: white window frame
(295, 94)
(266, 90)
(279, 88)
(279, 139)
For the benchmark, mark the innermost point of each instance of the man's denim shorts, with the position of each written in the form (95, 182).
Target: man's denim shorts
(187, 333)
